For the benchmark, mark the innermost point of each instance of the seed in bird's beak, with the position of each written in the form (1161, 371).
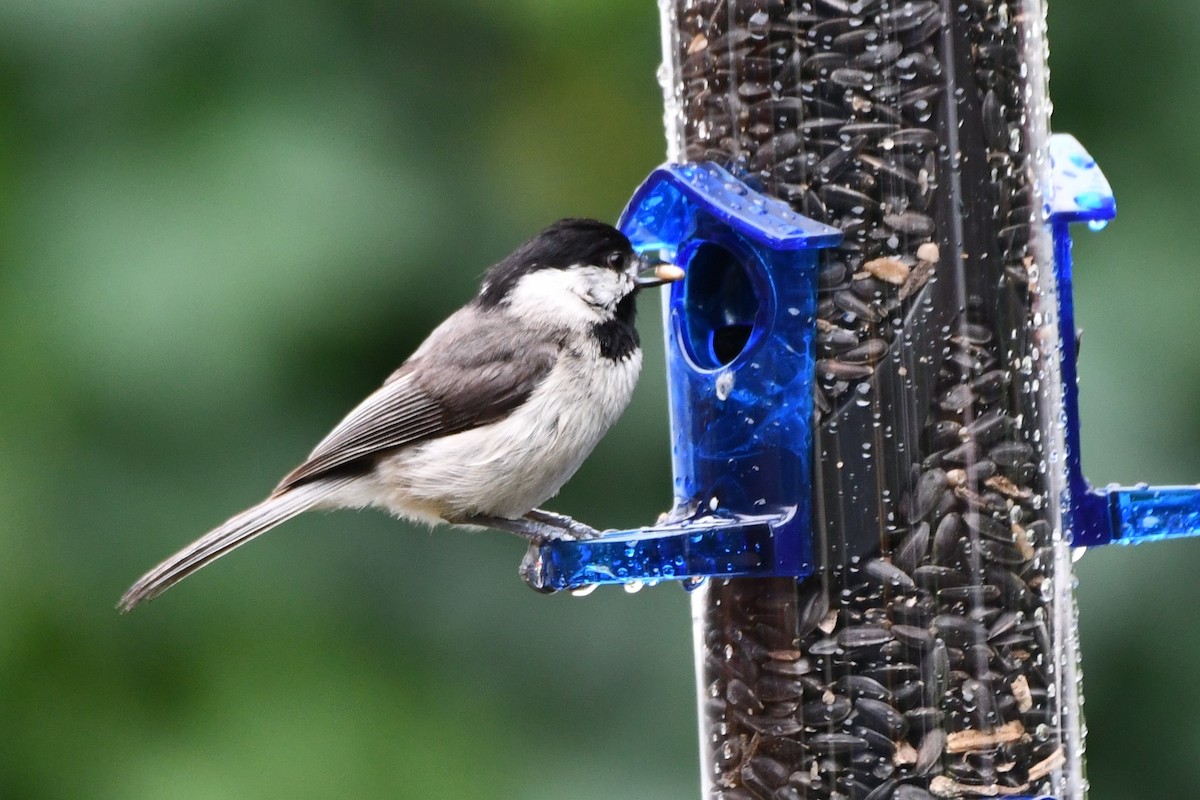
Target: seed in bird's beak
(662, 273)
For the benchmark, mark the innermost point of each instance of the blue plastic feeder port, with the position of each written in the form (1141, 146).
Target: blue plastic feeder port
(740, 342)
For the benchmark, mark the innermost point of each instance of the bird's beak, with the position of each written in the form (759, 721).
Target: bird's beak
(655, 273)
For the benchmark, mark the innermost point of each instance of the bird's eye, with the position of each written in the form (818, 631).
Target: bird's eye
(615, 258)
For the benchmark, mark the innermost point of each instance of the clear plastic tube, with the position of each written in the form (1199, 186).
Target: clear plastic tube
(933, 652)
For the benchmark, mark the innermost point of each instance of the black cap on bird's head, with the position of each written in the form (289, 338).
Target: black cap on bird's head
(563, 244)
(578, 241)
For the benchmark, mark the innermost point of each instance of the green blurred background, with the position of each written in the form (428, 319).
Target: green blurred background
(221, 225)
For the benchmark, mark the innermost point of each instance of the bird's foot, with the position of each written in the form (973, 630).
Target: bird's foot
(534, 531)
(575, 529)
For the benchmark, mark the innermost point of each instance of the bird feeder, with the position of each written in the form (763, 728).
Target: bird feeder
(874, 419)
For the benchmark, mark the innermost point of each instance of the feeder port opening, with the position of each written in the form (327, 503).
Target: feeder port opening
(721, 306)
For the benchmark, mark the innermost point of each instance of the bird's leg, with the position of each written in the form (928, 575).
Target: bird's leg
(577, 529)
(532, 530)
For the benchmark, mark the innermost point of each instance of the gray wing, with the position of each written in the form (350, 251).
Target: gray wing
(473, 369)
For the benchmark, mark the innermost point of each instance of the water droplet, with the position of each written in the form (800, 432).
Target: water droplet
(584, 591)
(863, 392)
(633, 587)
(724, 385)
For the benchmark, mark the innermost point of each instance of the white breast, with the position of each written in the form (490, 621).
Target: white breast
(511, 466)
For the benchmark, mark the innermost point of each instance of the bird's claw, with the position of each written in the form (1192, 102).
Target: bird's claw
(570, 529)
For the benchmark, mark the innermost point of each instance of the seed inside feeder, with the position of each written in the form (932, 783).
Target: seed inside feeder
(840, 109)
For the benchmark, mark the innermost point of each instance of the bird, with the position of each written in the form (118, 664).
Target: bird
(490, 415)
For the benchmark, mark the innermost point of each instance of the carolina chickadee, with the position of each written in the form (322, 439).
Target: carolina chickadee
(492, 413)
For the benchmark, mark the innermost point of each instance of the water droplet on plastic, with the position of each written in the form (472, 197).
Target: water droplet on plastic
(584, 591)
(633, 587)
(724, 385)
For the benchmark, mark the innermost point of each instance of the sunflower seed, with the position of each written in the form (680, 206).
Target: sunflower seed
(880, 716)
(863, 635)
(889, 270)
(826, 713)
(933, 745)
(836, 743)
(869, 352)
(856, 686)
(910, 223)
(833, 369)
(1010, 454)
(913, 549)
(928, 491)
(918, 639)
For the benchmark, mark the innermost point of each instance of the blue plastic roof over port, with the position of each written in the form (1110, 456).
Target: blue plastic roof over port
(661, 212)
(675, 204)
(1079, 192)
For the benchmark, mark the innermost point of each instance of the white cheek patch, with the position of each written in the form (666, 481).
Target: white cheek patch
(578, 293)
(597, 288)
(546, 293)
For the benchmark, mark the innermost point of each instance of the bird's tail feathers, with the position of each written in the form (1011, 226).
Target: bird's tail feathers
(235, 532)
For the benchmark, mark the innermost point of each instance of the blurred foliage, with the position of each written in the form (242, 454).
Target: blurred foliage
(222, 223)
